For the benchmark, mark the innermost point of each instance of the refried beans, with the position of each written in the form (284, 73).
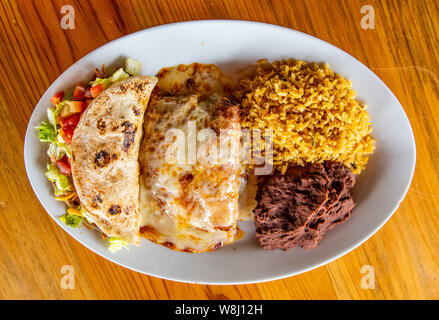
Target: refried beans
(299, 207)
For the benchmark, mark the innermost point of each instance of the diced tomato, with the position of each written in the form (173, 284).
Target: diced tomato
(68, 125)
(57, 98)
(71, 121)
(64, 166)
(67, 134)
(96, 90)
(85, 105)
(79, 92)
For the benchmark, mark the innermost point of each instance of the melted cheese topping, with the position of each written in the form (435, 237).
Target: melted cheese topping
(247, 197)
(189, 206)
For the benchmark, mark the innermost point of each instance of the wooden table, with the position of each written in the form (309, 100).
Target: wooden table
(403, 50)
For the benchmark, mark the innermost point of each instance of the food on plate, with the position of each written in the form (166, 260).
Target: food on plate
(247, 196)
(105, 147)
(190, 204)
(321, 138)
(204, 80)
(64, 116)
(299, 207)
(312, 112)
(162, 157)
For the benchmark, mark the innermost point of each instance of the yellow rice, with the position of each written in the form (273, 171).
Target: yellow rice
(312, 111)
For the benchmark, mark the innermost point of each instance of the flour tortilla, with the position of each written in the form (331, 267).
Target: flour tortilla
(105, 148)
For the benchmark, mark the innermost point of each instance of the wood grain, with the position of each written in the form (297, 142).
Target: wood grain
(403, 50)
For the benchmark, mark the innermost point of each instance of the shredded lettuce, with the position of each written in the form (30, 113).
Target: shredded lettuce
(104, 81)
(133, 67)
(61, 183)
(53, 113)
(52, 117)
(71, 220)
(47, 132)
(116, 244)
(62, 144)
(119, 75)
(86, 215)
(66, 149)
(56, 151)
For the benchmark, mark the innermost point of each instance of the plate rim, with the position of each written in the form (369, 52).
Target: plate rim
(259, 279)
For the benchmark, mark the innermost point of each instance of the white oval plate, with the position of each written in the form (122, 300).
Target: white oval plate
(232, 45)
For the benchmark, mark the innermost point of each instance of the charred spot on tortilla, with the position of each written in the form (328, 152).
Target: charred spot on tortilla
(186, 179)
(170, 245)
(218, 246)
(162, 72)
(123, 89)
(140, 87)
(136, 111)
(97, 198)
(115, 210)
(102, 159)
(129, 133)
(190, 83)
(101, 125)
